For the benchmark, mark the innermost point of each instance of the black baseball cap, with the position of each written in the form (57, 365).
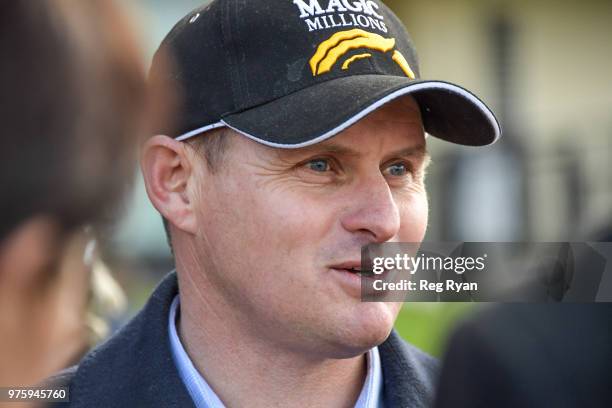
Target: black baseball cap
(291, 73)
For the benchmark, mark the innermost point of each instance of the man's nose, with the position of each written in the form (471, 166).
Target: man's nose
(372, 210)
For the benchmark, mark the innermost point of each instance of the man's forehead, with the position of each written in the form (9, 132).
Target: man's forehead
(402, 146)
(400, 118)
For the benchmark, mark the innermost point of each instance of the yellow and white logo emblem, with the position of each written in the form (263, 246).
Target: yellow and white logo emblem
(336, 46)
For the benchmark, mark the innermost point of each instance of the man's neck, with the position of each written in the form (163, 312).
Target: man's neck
(248, 371)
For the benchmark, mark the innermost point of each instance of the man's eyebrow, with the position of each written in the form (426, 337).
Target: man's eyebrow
(419, 150)
(332, 148)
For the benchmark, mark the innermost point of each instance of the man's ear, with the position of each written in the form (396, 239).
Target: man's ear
(166, 166)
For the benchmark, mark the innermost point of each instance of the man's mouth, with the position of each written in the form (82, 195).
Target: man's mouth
(356, 270)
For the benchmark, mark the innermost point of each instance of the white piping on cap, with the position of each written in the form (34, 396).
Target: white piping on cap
(197, 131)
(394, 95)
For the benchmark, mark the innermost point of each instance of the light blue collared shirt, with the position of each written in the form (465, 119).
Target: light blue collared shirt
(203, 396)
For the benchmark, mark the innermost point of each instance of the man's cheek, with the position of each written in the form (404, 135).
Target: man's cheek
(293, 227)
(413, 219)
(295, 212)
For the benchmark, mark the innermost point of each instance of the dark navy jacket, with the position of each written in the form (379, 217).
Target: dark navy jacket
(134, 368)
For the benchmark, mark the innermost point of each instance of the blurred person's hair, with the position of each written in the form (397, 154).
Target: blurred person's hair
(71, 107)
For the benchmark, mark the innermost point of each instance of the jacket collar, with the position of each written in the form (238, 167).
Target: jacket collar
(409, 374)
(135, 366)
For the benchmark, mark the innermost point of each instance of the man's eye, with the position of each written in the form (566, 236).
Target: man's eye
(398, 169)
(319, 165)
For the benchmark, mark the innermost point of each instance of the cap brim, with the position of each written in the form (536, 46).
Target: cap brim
(320, 112)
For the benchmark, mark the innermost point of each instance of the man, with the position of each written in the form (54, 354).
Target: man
(296, 144)
(72, 100)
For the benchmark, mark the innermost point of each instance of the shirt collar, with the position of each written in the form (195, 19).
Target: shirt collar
(204, 397)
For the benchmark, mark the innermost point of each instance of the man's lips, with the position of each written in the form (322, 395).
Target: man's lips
(349, 266)
(353, 267)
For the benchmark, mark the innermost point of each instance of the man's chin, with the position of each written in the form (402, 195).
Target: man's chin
(368, 331)
(360, 344)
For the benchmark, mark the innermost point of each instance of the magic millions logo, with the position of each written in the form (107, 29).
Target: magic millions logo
(339, 44)
(321, 15)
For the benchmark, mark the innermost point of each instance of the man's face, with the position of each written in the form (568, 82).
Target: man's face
(277, 228)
